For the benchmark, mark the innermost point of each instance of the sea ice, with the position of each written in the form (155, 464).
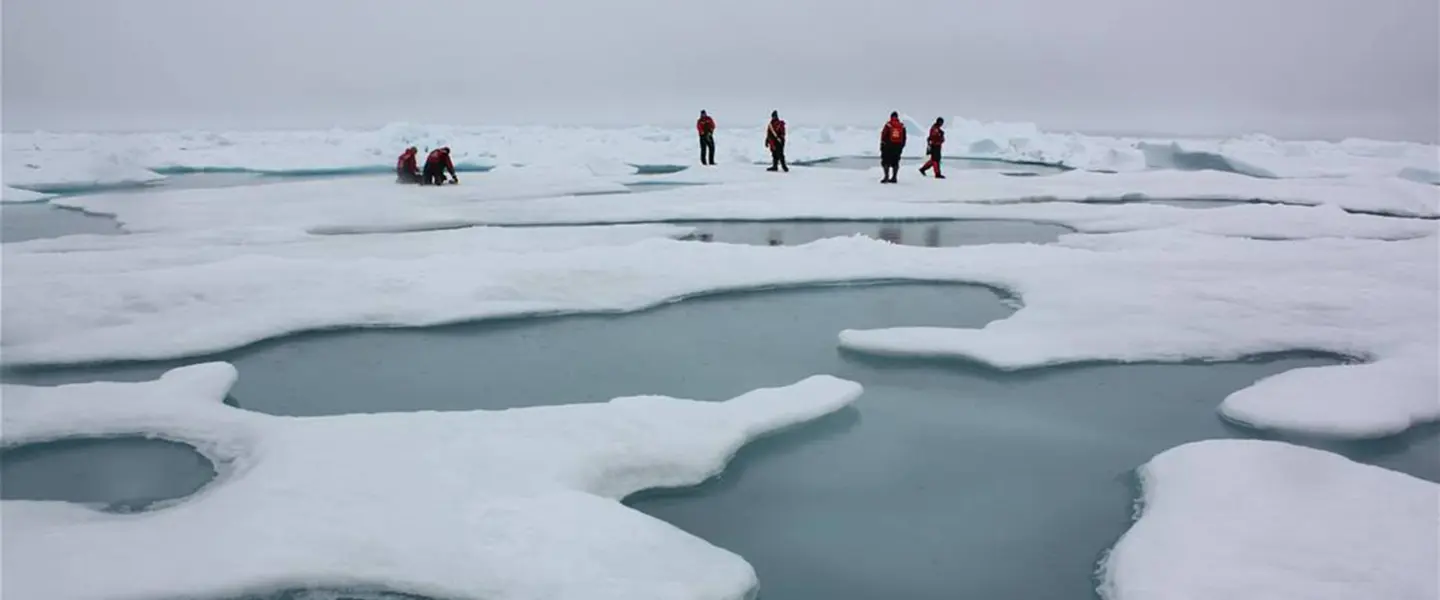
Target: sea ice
(9, 194)
(1342, 401)
(518, 504)
(1256, 519)
(543, 196)
(354, 151)
(1155, 295)
(1164, 296)
(67, 169)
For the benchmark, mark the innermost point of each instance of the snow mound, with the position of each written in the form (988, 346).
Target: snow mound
(510, 504)
(1252, 519)
(67, 171)
(1172, 156)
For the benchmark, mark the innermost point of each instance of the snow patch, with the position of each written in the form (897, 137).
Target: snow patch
(1248, 519)
(1344, 401)
(519, 503)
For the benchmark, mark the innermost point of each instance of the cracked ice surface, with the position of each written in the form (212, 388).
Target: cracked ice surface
(1254, 519)
(504, 505)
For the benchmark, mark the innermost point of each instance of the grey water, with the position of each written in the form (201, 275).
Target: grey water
(120, 473)
(932, 234)
(33, 221)
(945, 480)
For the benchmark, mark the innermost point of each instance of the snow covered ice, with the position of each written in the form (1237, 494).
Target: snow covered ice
(1331, 248)
(505, 505)
(67, 160)
(1254, 519)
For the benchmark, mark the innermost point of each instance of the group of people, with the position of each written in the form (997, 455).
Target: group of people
(437, 165)
(892, 144)
(774, 140)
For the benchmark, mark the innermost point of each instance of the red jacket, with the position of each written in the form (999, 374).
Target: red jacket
(705, 125)
(440, 159)
(775, 133)
(893, 133)
(406, 164)
(937, 136)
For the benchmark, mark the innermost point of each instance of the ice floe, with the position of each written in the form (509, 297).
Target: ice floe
(1255, 519)
(1166, 296)
(1153, 295)
(1342, 401)
(525, 196)
(71, 158)
(513, 504)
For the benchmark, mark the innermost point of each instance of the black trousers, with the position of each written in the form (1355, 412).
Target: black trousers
(407, 177)
(777, 156)
(435, 176)
(707, 149)
(890, 155)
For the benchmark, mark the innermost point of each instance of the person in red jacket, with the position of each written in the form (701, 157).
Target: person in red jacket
(705, 126)
(775, 141)
(892, 145)
(406, 171)
(437, 164)
(932, 147)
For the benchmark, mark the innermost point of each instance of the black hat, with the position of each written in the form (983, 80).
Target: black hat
(774, 114)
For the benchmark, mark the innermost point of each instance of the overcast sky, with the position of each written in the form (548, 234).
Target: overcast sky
(1307, 68)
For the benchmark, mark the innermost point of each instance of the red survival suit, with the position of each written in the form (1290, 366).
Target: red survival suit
(437, 164)
(933, 144)
(406, 169)
(705, 126)
(775, 141)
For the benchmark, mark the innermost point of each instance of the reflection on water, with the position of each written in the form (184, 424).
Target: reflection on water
(945, 480)
(122, 473)
(933, 234)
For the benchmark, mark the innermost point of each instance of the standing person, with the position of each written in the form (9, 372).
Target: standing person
(705, 126)
(775, 141)
(437, 164)
(406, 171)
(932, 147)
(892, 145)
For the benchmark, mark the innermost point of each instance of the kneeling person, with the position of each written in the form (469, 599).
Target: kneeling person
(406, 171)
(437, 164)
